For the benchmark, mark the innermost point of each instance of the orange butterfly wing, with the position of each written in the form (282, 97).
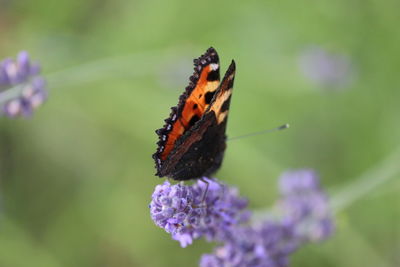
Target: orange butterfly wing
(192, 103)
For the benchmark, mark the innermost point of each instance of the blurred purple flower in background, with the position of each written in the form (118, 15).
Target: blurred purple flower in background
(326, 69)
(181, 211)
(305, 205)
(21, 76)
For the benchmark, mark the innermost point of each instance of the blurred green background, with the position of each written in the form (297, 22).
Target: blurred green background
(76, 179)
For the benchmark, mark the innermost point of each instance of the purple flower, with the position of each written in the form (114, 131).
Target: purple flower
(324, 68)
(305, 204)
(303, 217)
(267, 244)
(298, 182)
(21, 78)
(187, 213)
(18, 71)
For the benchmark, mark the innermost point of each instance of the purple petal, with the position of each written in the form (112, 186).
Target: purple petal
(23, 63)
(13, 108)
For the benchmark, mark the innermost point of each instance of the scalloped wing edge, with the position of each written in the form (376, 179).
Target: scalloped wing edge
(208, 57)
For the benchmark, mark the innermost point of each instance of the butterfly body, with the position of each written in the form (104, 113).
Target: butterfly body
(192, 141)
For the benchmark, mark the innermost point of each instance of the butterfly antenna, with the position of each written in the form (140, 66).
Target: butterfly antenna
(282, 127)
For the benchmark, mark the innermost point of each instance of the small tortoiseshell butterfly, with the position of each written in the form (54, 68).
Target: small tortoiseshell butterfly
(192, 141)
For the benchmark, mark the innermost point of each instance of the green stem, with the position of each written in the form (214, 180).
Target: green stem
(132, 65)
(10, 93)
(380, 174)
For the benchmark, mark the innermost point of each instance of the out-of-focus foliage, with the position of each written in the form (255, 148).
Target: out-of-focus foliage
(77, 178)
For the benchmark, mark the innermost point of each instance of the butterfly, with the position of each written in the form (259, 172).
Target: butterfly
(192, 142)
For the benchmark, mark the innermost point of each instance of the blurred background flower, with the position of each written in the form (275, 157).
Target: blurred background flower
(21, 88)
(326, 69)
(305, 205)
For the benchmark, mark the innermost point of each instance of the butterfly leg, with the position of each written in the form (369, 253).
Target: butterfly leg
(205, 191)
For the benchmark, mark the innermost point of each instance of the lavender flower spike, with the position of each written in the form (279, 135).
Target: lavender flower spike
(305, 204)
(267, 244)
(181, 211)
(21, 88)
(302, 216)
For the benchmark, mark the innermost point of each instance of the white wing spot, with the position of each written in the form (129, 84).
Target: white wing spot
(214, 66)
